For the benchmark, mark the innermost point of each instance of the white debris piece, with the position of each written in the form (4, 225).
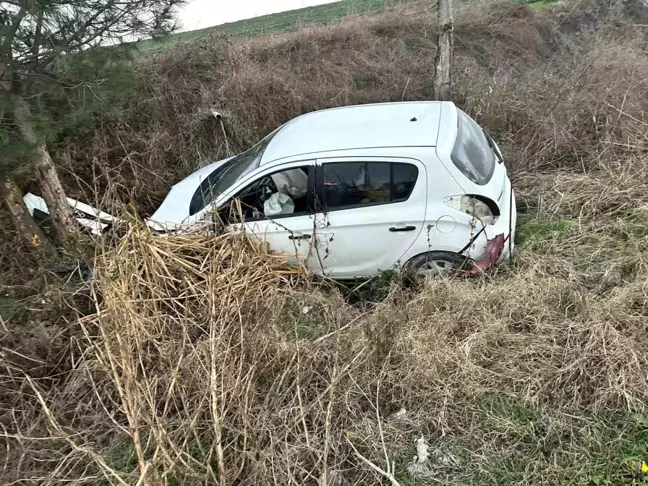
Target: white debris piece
(399, 414)
(422, 453)
(92, 219)
(418, 466)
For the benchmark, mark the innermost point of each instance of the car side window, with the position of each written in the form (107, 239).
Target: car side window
(403, 180)
(280, 194)
(355, 184)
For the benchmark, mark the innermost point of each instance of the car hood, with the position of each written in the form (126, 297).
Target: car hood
(174, 210)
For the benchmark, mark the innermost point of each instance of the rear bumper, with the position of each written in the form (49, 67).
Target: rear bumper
(494, 253)
(509, 228)
(496, 242)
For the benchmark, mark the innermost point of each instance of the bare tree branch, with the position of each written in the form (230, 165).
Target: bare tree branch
(37, 33)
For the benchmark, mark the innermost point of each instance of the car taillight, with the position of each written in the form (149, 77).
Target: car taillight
(473, 206)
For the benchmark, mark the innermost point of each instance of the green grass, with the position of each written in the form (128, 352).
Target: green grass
(536, 232)
(542, 4)
(510, 409)
(526, 444)
(289, 21)
(278, 22)
(526, 441)
(8, 307)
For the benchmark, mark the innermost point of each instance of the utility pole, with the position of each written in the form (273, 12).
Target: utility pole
(443, 61)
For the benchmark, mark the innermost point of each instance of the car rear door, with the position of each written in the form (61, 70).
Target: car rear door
(373, 211)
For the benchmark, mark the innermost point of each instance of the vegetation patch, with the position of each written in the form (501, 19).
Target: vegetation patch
(276, 23)
(537, 232)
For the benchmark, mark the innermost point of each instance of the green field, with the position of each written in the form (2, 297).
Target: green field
(278, 22)
(291, 20)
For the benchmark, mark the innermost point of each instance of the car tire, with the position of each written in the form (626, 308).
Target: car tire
(437, 264)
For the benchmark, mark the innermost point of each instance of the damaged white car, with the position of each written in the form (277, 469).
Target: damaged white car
(355, 190)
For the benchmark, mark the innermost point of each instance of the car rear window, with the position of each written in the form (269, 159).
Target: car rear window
(355, 184)
(472, 154)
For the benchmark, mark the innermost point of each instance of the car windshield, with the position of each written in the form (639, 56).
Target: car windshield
(227, 174)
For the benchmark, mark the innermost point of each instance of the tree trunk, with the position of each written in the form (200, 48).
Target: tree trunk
(443, 61)
(9, 191)
(23, 222)
(63, 219)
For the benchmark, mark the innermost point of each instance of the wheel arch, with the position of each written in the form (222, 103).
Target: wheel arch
(419, 258)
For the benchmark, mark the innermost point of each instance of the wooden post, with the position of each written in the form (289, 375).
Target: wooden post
(443, 61)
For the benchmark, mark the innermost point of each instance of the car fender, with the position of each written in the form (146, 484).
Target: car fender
(464, 239)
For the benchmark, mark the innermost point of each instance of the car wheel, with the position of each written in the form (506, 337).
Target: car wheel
(437, 264)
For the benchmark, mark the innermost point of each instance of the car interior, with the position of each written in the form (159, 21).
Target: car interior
(345, 185)
(280, 194)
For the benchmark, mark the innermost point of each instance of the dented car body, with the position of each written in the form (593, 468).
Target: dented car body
(355, 190)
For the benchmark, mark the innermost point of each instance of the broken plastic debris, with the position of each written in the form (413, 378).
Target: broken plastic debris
(418, 466)
(398, 414)
(422, 448)
(493, 251)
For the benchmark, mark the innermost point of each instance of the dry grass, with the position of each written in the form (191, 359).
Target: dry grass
(203, 360)
(207, 361)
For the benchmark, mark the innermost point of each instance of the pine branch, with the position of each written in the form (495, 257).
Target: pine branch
(6, 46)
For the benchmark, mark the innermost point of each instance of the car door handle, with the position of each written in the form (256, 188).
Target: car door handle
(299, 236)
(402, 227)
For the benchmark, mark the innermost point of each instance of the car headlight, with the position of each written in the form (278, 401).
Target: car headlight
(472, 206)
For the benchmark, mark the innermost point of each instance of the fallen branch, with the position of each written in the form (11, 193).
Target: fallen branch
(390, 467)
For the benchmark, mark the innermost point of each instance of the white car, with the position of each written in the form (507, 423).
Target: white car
(355, 190)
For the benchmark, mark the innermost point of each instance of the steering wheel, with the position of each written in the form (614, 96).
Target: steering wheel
(265, 189)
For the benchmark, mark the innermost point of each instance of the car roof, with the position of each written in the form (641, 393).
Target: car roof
(404, 124)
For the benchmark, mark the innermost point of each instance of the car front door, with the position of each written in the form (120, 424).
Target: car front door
(373, 211)
(276, 205)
